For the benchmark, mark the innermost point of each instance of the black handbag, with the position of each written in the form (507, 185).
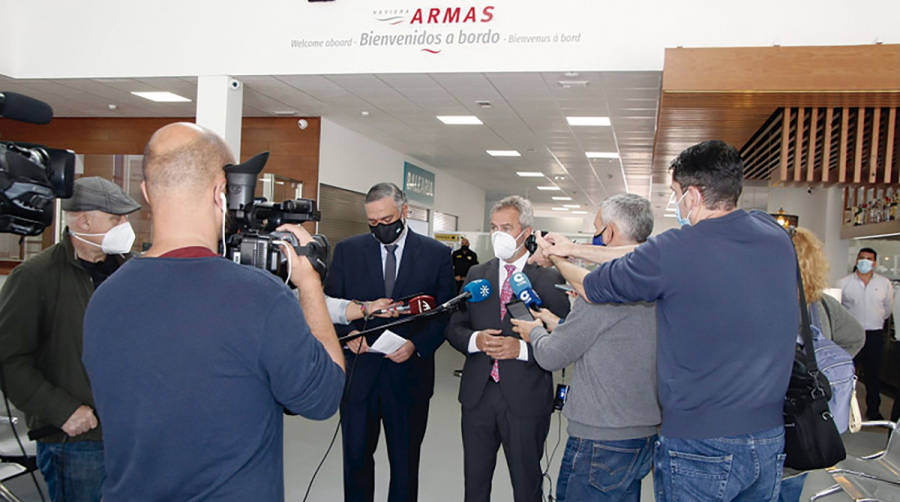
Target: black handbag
(811, 440)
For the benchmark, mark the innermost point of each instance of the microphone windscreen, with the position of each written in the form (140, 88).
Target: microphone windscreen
(519, 282)
(421, 303)
(480, 289)
(18, 107)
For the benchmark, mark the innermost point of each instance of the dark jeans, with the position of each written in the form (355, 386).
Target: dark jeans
(747, 468)
(792, 488)
(73, 471)
(604, 471)
(868, 361)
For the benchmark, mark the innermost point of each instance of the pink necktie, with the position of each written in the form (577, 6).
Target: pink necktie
(505, 296)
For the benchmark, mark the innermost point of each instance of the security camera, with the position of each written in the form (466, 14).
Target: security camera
(302, 124)
(235, 83)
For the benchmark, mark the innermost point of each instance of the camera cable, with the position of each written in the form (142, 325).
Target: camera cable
(337, 427)
(549, 459)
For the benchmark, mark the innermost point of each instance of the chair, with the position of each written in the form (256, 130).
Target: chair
(871, 478)
(9, 470)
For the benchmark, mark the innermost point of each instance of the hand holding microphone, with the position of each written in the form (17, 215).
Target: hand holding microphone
(415, 305)
(522, 289)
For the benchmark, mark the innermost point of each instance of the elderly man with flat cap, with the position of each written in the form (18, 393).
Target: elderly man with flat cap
(42, 305)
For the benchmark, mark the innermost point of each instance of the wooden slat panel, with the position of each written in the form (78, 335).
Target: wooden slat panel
(785, 142)
(873, 151)
(857, 67)
(826, 144)
(811, 150)
(798, 145)
(845, 140)
(860, 130)
(889, 145)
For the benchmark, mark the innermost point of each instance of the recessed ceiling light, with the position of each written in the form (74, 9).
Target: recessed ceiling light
(551, 188)
(576, 206)
(602, 155)
(565, 84)
(579, 212)
(588, 121)
(483, 103)
(503, 153)
(530, 174)
(559, 178)
(162, 97)
(364, 113)
(459, 119)
(562, 198)
(286, 113)
(559, 208)
(112, 107)
(571, 74)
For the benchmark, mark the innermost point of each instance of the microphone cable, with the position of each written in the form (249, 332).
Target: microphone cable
(549, 459)
(12, 425)
(340, 420)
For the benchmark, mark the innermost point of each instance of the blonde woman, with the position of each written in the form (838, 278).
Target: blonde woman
(835, 321)
(826, 313)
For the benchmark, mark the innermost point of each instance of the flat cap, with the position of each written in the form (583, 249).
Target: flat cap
(99, 194)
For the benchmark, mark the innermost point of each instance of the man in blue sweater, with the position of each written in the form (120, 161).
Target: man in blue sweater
(726, 291)
(193, 358)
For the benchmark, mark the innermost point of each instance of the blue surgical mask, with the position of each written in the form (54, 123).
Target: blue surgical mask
(682, 220)
(864, 266)
(598, 239)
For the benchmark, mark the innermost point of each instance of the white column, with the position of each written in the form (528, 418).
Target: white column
(220, 101)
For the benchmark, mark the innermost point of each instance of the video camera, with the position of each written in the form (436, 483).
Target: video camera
(251, 238)
(31, 176)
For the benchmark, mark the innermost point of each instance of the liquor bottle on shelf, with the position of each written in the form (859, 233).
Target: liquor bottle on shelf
(859, 217)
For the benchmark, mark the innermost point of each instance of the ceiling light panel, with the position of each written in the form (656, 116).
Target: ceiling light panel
(588, 121)
(530, 174)
(503, 153)
(459, 119)
(602, 155)
(162, 97)
(562, 198)
(549, 188)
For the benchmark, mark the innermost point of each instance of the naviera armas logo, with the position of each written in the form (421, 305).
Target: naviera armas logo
(435, 15)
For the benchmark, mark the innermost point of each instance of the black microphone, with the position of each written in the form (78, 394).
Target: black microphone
(18, 107)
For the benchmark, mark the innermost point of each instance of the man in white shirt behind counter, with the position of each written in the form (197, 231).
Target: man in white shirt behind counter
(869, 297)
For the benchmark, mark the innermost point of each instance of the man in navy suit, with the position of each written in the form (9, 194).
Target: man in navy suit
(390, 389)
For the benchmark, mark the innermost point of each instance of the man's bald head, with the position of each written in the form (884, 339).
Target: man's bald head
(184, 159)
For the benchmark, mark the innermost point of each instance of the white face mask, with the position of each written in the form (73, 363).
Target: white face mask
(504, 245)
(118, 240)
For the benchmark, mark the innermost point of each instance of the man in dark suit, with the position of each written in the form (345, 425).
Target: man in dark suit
(390, 389)
(506, 397)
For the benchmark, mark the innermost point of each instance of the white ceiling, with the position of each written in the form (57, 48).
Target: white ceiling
(527, 114)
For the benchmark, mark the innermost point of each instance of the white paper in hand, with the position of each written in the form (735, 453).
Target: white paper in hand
(387, 343)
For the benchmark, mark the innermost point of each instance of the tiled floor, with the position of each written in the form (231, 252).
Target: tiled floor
(441, 467)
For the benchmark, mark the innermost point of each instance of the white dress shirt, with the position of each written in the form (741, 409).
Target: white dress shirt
(523, 347)
(401, 243)
(870, 304)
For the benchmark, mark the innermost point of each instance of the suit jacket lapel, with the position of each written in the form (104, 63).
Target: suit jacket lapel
(407, 260)
(374, 266)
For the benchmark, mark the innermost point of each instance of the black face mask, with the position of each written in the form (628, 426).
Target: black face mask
(387, 233)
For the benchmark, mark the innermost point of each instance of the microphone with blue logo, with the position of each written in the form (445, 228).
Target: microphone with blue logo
(521, 287)
(473, 292)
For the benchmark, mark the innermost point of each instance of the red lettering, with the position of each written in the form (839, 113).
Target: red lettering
(451, 15)
(470, 16)
(417, 17)
(488, 14)
(433, 15)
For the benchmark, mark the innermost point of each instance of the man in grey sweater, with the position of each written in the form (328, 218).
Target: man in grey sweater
(612, 408)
